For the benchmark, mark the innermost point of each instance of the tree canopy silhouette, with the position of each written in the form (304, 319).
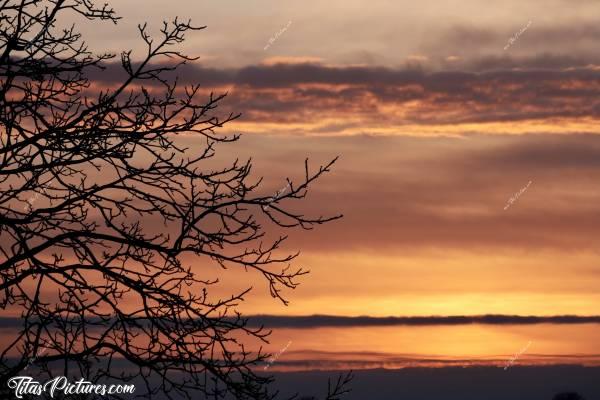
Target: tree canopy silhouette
(87, 174)
(568, 396)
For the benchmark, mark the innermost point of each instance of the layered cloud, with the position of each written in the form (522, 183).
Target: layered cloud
(318, 99)
(386, 33)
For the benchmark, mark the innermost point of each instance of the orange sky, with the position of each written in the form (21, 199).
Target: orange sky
(437, 126)
(425, 229)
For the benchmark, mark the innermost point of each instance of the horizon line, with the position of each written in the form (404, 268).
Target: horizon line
(322, 320)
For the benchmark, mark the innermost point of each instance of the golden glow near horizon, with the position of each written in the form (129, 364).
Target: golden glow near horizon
(427, 284)
(506, 346)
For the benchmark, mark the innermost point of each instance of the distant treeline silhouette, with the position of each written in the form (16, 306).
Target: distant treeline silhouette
(311, 321)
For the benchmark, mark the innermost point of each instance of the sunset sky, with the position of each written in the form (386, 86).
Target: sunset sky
(440, 119)
(468, 176)
(443, 156)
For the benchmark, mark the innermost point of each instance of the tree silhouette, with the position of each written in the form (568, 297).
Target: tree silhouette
(87, 175)
(568, 396)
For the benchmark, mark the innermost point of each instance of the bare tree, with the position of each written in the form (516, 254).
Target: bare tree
(87, 175)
